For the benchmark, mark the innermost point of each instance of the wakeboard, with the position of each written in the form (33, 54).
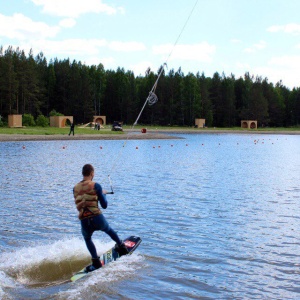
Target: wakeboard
(131, 243)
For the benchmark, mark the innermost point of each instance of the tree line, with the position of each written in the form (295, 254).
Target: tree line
(31, 85)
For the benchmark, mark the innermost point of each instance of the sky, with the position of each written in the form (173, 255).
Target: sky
(261, 37)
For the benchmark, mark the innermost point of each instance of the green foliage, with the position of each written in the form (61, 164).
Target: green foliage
(28, 120)
(42, 121)
(57, 131)
(54, 113)
(32, 87)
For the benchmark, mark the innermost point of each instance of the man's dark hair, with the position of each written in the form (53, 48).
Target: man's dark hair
(87, 170)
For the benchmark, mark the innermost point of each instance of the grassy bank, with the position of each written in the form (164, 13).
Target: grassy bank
(54, 131)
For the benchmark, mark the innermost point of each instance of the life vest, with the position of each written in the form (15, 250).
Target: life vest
(86, 199)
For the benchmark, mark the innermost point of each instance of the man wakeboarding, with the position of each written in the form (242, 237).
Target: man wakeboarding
(87, 194)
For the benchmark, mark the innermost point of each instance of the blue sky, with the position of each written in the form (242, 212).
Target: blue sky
(261, 37)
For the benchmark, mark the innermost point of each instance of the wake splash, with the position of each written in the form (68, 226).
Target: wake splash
(104, 281)
(44, 264)
(53, 264)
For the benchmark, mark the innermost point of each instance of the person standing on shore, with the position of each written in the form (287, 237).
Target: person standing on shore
(87, 194)
(71, 128)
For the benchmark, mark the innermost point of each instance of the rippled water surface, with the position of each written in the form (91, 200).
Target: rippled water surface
(218, 215)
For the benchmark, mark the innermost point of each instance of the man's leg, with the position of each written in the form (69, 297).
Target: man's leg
(101, 223)
(87, 232)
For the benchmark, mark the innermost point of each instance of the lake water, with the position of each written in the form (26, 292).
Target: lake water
(218, 214)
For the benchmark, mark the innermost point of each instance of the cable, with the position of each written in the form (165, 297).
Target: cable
(183, 28)
(152, 98)
(151, 93)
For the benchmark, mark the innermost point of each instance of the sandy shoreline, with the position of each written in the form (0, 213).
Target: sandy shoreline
(57, 137)
(135, 135)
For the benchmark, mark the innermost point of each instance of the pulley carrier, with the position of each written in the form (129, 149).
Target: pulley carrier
(152, 98)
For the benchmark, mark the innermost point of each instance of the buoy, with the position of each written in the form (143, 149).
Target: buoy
(23, 147)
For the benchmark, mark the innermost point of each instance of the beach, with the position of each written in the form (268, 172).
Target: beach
(137, 135)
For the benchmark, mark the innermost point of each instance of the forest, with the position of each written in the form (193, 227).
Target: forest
(29, 84)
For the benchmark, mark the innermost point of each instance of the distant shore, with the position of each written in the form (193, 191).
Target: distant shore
(57, 137)
(137, 135)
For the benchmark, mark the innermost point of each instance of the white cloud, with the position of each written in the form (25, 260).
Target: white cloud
(107, 62)
(260, 45)
(283, 68)
(255, 47)
(67, 23)
(286, 61)
(126, 46)
(75, 48)
(75, 8)
(72, 46)
(89, 51)
(278, 68)
(242, 66)
(141, 67)
(235, 41)
(288, 28)
(21, 27)
(201, 52)
(278, 74)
